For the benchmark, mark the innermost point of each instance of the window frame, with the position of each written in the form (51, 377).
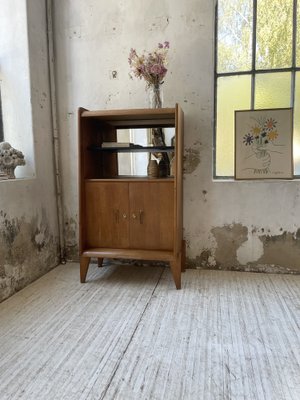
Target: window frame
(1, 120)
(253, 72)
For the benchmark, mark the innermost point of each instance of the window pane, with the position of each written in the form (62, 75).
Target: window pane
(274, 34)
(233, 93)
(1, 123)
(296, 146)
(234, 35)
(273, 90)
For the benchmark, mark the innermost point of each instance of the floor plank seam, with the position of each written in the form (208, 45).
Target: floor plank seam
(132, 336)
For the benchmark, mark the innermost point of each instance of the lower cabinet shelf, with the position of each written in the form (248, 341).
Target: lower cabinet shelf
(177, 263)
(153, 255)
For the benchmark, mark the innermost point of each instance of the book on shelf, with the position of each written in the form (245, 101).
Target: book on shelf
(116, 144)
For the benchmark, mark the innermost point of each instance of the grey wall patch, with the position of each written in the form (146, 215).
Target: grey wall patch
(282, 251)
(229, 238)
(27, 251)
(191, 160)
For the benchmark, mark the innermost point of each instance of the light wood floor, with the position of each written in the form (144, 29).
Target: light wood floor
(128, 334)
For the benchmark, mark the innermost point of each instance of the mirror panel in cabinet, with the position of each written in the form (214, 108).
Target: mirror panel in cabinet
(135, 163)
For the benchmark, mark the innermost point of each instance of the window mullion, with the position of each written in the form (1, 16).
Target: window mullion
(294, 49)
(253, 53)
(1, 122)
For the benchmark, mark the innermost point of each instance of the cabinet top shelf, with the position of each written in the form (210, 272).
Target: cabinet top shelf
(163, 117)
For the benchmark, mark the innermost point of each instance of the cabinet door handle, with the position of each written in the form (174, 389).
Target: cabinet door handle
(124, 216)
(133, 215)
(141, 216)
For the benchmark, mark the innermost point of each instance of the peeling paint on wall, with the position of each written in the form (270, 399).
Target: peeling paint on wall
(282, 251)
(229, 238)
(251, 250)
(27, 251)
(240, 248)
(191, 160)
(71, 235)
(205, 260)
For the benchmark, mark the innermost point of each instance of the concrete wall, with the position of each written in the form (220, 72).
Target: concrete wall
(230, 225)
(28, 218)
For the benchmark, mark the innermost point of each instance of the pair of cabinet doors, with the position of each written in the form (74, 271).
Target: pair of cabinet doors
(134, 215)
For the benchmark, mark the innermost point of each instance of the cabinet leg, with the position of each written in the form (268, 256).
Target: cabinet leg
(183, 256)
(176, 272)
(84, 266)
(100, 262)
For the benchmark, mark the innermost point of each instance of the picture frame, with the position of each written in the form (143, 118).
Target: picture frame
(264, 144)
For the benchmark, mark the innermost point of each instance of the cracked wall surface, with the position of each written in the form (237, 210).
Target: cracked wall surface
(27, 249)
(28, 213)
(227, 224)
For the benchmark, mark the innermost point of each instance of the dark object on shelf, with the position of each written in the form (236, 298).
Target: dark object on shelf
(163, 169)
(153, 169)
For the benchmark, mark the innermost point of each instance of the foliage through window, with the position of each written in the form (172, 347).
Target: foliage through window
(257, 66)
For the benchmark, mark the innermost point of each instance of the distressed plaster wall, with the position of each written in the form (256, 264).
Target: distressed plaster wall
(239, 225)
(28, 218)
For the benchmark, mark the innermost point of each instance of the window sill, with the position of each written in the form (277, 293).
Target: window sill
(232, 180)
(18, 179)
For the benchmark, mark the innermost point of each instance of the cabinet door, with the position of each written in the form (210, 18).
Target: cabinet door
(151, 215)
(107, 223)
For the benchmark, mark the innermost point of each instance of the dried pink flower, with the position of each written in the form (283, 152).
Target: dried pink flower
(151, 67)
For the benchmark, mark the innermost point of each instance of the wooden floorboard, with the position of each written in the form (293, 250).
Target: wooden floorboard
(128, 334)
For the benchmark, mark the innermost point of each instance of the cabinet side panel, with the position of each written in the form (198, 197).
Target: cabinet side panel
(179, 132)
(92, 164)
(89, 165)
(81, 162)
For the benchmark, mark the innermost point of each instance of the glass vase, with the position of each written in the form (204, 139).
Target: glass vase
(155, 96)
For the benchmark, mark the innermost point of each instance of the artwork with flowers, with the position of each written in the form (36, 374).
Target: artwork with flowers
(263, 144)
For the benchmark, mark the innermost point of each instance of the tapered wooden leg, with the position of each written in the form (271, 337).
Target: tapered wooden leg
(176, 272)
(183, 256)
(100, 262)
(84, 266)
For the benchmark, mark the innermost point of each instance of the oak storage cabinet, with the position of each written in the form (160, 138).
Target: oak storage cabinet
(128, 217)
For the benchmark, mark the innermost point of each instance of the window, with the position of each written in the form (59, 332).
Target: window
(257, 66)
(15, 82)
(1, 123)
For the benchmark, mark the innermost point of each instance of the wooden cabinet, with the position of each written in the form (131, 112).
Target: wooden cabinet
(128, 216)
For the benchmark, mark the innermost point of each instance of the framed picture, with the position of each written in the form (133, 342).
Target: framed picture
(264, 144)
